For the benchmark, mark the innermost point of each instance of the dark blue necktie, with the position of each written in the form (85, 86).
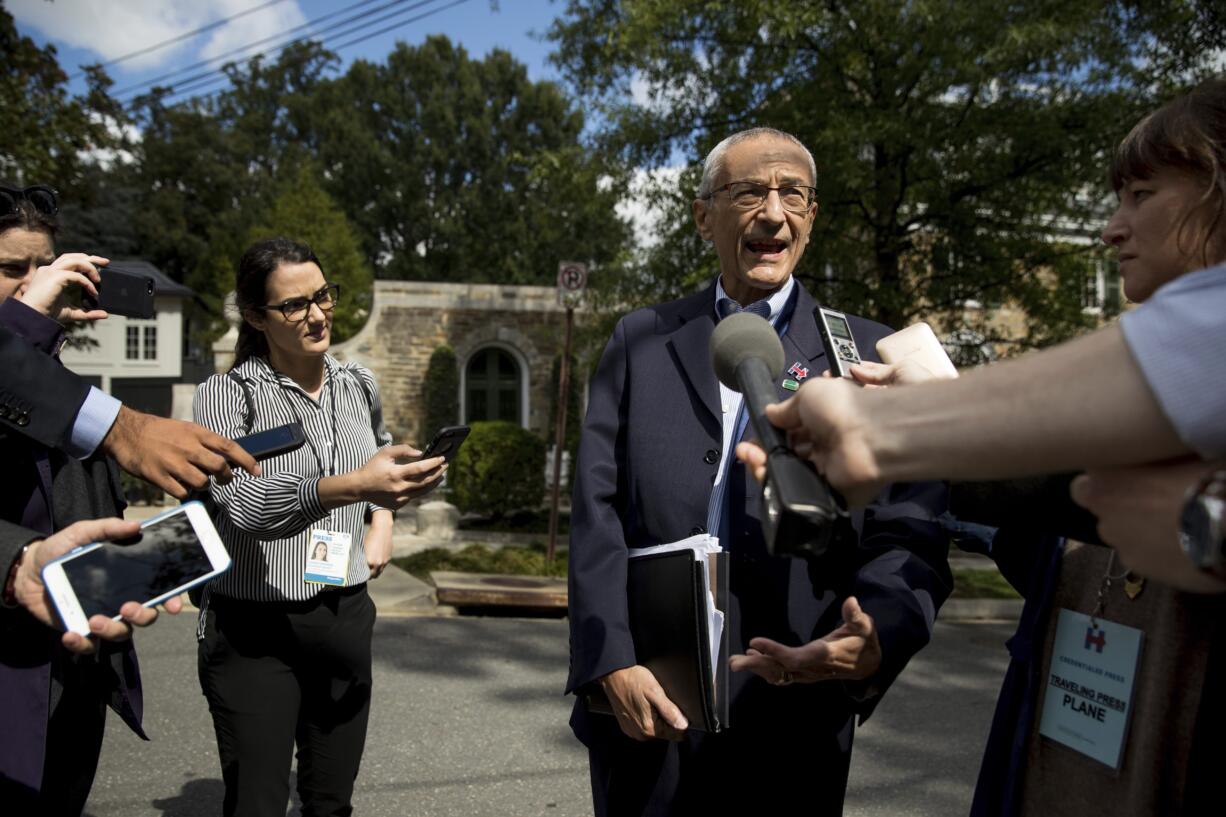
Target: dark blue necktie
(727, 307)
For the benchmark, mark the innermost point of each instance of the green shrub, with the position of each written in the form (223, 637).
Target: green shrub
(440, 392)
(499, 470)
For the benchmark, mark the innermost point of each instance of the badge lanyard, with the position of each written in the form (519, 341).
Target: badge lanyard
(310, 442)
(1132, 588)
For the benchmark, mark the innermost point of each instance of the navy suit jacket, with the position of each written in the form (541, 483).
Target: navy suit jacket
(33, 666)
(644, 477)
(39, 398)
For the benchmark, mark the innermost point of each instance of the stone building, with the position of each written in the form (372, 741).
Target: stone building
(505, 339)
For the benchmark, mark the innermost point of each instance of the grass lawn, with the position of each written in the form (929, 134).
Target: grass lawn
(973, 583)
(969, 583)
(516, 561)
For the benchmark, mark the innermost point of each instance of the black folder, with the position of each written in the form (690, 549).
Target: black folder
(668, 622)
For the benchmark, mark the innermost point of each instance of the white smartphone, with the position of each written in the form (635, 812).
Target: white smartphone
(919, 344)
(174, 551)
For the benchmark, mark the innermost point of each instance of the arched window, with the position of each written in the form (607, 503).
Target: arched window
(492, 387)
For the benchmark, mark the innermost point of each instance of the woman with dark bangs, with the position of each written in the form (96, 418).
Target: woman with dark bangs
(1170, 176)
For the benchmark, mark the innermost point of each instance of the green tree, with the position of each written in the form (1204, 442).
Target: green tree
(208, 172)
(458, 169)
(301, 210)
(961, 146)
(440, 391)
(447, 168)
(51, 136)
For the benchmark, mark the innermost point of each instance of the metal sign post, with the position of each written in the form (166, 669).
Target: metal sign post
(572, 279)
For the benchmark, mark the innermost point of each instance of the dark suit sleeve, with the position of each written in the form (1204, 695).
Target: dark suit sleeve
(900, 571)
(903, 577)
(600, 639)
(39, 398)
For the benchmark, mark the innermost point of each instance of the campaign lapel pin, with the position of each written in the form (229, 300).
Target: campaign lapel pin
(798, 371)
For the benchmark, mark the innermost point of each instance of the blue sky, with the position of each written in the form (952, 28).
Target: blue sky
(88, 31)
(91, 31)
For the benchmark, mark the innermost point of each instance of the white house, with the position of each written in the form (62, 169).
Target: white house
(139, 360)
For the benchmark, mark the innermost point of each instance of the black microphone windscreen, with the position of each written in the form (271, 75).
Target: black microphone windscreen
(741, 337)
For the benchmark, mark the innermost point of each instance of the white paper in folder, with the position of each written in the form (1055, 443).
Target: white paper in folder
(704, 546)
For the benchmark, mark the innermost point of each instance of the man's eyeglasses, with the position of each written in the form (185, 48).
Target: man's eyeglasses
(295, 310)
(42, 198)
(795, 198)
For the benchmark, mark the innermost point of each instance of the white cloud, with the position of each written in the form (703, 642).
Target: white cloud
(271, 22)
(112, 29)
(641, 209)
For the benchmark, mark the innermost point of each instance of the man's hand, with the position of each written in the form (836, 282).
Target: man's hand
(1138, 512)
(642, 709)
(824, 425)
(174, 455)
(905, 372)
(32, 594)
(851, 652)
(50, 288)
(378, 542)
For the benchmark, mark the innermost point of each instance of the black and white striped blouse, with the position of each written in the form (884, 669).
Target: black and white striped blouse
(266, 521)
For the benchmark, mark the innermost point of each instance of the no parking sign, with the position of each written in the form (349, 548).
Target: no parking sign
(572, 279)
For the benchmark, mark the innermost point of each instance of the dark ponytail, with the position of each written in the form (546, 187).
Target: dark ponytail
(251, 288)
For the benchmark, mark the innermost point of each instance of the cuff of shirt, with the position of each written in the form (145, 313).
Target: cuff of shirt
(94, 420)
(308, 499)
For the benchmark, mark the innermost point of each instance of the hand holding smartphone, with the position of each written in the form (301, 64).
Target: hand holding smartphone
(446, 442)
(123, 293)
(173, 552)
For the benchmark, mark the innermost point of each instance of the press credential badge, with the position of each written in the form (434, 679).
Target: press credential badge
(327, 557)
(1088, 700)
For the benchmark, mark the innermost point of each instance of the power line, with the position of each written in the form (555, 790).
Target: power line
(216, 76)
(182, 37)
(390, 28)
(210, 75)
(148, 84)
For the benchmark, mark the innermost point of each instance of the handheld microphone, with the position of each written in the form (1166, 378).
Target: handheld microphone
(800, 515)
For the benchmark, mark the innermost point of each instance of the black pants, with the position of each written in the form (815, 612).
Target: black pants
(280, 674)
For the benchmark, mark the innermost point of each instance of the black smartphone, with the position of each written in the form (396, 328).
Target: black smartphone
(446, 442)
(123, 293)
(274, 441)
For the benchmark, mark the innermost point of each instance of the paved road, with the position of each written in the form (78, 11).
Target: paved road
(468, 721)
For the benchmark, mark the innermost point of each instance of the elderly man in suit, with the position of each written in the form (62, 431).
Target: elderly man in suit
(655, 463)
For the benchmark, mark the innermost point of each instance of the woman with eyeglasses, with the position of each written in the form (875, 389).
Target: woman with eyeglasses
(284, 653)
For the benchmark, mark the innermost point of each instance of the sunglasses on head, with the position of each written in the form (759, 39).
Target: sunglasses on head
(42, 198)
